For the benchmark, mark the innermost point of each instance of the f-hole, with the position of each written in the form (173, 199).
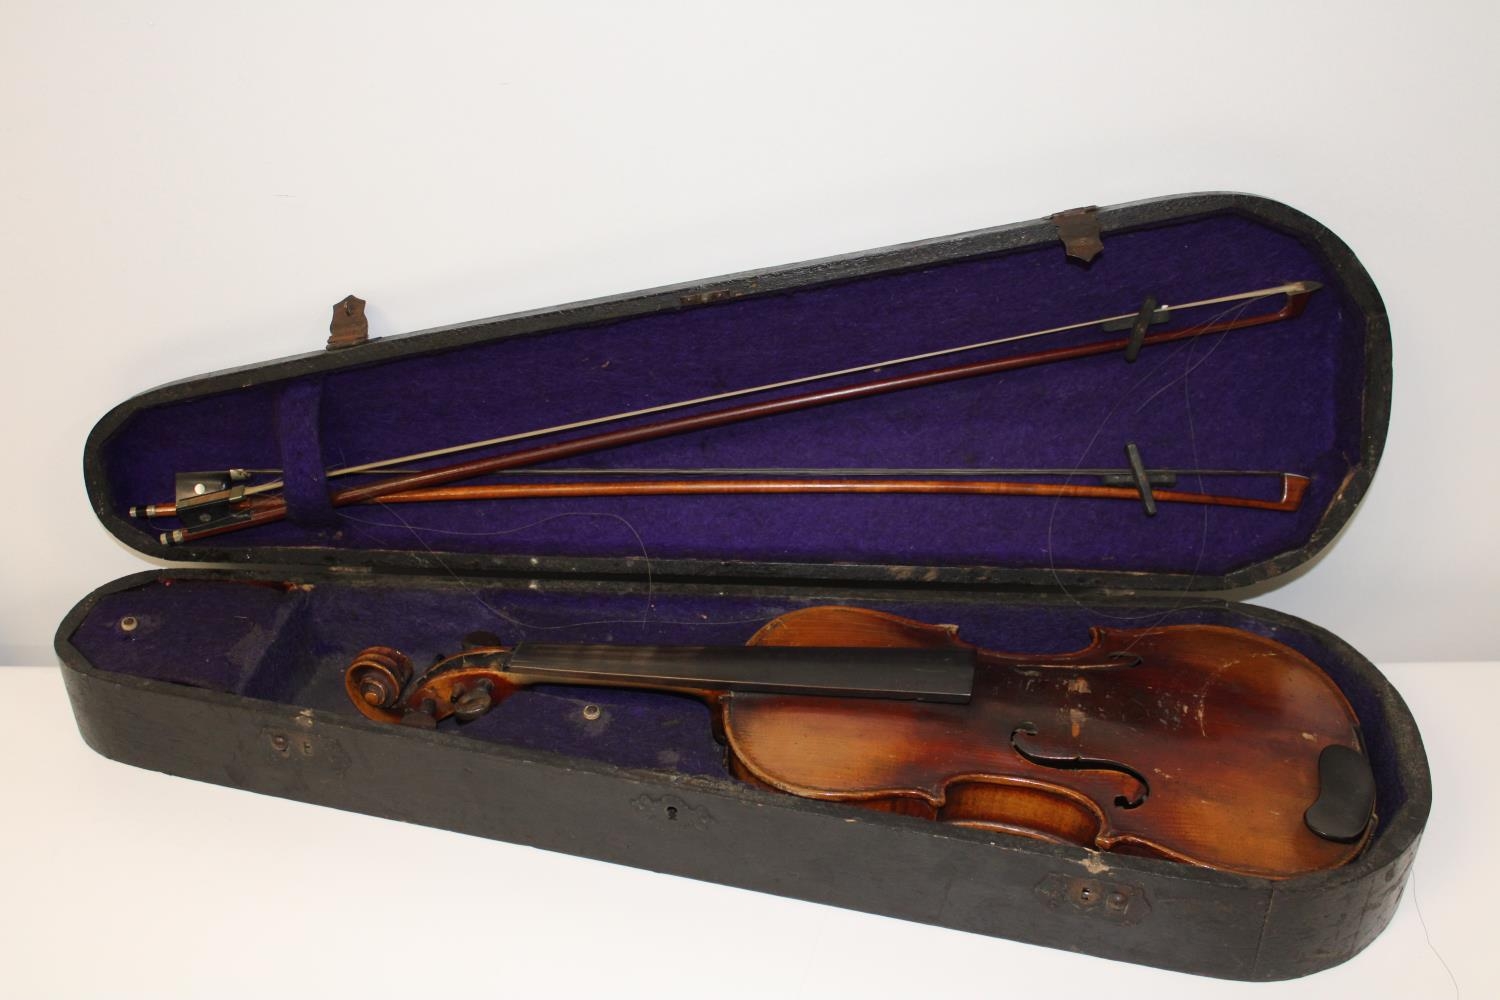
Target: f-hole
(1081, 763)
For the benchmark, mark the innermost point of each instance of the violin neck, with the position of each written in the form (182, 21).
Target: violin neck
(936, 675)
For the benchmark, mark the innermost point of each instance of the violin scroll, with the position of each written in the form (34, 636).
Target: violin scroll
(379, 682)
(375, 680)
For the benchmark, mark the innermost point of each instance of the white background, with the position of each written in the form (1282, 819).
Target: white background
(189, 187)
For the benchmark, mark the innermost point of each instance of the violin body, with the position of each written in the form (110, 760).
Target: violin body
(1196, 743)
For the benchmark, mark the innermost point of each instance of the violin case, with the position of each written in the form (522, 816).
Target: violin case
(232, 672)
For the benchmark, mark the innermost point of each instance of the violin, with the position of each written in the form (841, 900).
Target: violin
(1200, 744)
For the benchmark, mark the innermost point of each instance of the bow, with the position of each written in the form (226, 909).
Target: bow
(248, 506)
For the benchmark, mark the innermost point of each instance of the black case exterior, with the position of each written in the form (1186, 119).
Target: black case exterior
(1138, 910)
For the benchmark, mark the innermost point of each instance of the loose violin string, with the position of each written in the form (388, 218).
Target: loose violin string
(1195, 365)
(1427, 933)
(1287, 289)
(1188, 347)
(649, 617)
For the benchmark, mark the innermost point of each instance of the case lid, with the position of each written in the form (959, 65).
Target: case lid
(1260, 406)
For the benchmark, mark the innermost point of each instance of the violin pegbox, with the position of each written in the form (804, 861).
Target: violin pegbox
(379, 682)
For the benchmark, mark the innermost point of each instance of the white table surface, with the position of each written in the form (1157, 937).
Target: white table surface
(122, 882)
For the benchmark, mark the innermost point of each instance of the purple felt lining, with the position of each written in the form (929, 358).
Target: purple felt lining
(1286, 397)
(301, 449)
(290, 644)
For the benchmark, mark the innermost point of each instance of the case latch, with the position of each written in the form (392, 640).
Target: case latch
(349, 327)
(1078, 228)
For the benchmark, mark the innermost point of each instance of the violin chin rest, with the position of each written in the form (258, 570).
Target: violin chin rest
(1346, 795)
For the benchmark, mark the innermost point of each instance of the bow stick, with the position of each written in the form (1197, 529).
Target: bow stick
(274, 509)
(1293, 488)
